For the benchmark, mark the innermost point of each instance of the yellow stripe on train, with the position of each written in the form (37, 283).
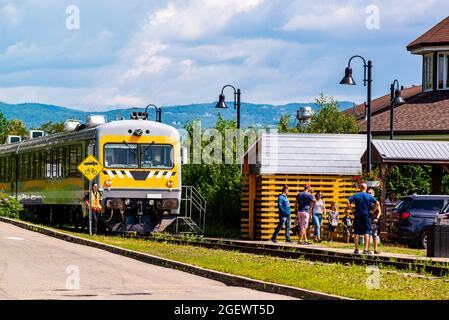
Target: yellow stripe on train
(139, 175)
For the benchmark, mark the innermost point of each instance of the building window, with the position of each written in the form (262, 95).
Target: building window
(443, 71)
(447, 70)
(428, 72)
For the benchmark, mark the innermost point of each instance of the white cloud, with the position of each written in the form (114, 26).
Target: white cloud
(325, 18)
(196, 18)
(337, 16)
(184, 51)
(10, 15)
(146, 60)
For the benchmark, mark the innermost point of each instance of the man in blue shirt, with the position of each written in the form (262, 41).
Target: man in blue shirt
(284, 216)
(362, 217)
(304, 201)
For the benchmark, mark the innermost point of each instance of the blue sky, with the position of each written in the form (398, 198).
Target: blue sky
(135, 52)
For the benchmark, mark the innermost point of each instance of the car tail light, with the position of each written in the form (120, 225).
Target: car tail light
(404, 216)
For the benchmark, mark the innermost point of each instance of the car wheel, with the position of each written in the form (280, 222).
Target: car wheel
(423, 240)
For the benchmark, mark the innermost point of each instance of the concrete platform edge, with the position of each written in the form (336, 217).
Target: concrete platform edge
(228, 279)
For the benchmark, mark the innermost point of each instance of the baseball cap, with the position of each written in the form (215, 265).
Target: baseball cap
(307, 186)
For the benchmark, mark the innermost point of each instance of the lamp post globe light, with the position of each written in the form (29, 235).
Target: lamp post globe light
(237, 102)
(158, 112)
(396, 101)
(367, 82)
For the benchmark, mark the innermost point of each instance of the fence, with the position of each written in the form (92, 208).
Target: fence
(259, 200)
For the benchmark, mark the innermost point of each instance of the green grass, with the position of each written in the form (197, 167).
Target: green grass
(382, 248)
(338, 279)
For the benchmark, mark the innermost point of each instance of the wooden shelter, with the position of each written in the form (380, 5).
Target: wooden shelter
(326, 161)
(389, 153)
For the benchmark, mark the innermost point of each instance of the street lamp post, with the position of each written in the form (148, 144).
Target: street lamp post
(367, 82)
(237, 102)
(396, 101)
(158, 112)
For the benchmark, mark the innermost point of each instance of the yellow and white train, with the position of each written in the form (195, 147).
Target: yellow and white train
(140, 183)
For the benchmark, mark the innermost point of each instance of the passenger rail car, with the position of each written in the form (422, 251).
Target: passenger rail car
(140, 183)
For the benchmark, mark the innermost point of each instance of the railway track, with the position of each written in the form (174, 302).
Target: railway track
(438, 269)
(411, 264)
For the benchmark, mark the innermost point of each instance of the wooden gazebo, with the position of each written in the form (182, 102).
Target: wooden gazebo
(389, 153)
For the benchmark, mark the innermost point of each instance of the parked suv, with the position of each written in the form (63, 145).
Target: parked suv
(413, 216)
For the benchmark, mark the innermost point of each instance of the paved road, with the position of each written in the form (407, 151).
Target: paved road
(35, 266)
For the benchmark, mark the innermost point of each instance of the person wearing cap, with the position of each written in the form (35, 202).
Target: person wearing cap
(362, 218)
(284, 216)
(304, 203)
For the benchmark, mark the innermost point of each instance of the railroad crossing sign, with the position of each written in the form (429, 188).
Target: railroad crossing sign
(90, 167)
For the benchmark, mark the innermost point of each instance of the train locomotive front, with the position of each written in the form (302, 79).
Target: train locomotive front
(141, 179)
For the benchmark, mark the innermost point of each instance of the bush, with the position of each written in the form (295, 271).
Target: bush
(10, 207)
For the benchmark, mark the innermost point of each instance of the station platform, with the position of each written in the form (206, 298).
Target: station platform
(317, 247)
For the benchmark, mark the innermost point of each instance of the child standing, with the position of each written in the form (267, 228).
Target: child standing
(347, 224)
(333, 218)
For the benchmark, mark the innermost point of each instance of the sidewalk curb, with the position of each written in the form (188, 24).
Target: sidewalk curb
(228, 279)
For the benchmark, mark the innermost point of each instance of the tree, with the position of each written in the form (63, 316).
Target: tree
(3, 128)
(327, 119)
(284, 125)
(52, 128)
(221, 186)
(16, 128)
(405, 179)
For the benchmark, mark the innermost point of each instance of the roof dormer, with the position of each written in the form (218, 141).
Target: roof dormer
(434, 47)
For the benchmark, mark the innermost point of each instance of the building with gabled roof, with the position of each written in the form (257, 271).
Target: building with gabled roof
(426, 112)
(326, 161)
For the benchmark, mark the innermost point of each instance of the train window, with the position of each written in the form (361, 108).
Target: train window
(120, 155)
(75, 159)
(19, 167)
(156, 156)
(2, 170)
(60, 162)
(30, 166)
(54, 163)
(48, 164)
(42, 165)
(36, 165)
(67, 161)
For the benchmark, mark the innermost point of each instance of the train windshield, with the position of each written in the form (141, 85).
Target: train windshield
(156, 156)
(121, 155)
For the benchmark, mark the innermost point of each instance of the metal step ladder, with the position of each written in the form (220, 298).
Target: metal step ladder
(192, 218)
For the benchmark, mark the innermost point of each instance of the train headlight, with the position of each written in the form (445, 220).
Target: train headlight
(138, 132)
(108, 183)
(151, 202)
(170, 184)
(127, 202)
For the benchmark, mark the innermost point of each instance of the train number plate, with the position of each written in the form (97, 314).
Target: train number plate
(154, 196)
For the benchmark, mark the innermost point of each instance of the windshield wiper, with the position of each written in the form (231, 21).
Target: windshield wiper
(129, 147)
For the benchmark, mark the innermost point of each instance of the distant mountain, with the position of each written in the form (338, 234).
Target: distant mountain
(35, 114)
